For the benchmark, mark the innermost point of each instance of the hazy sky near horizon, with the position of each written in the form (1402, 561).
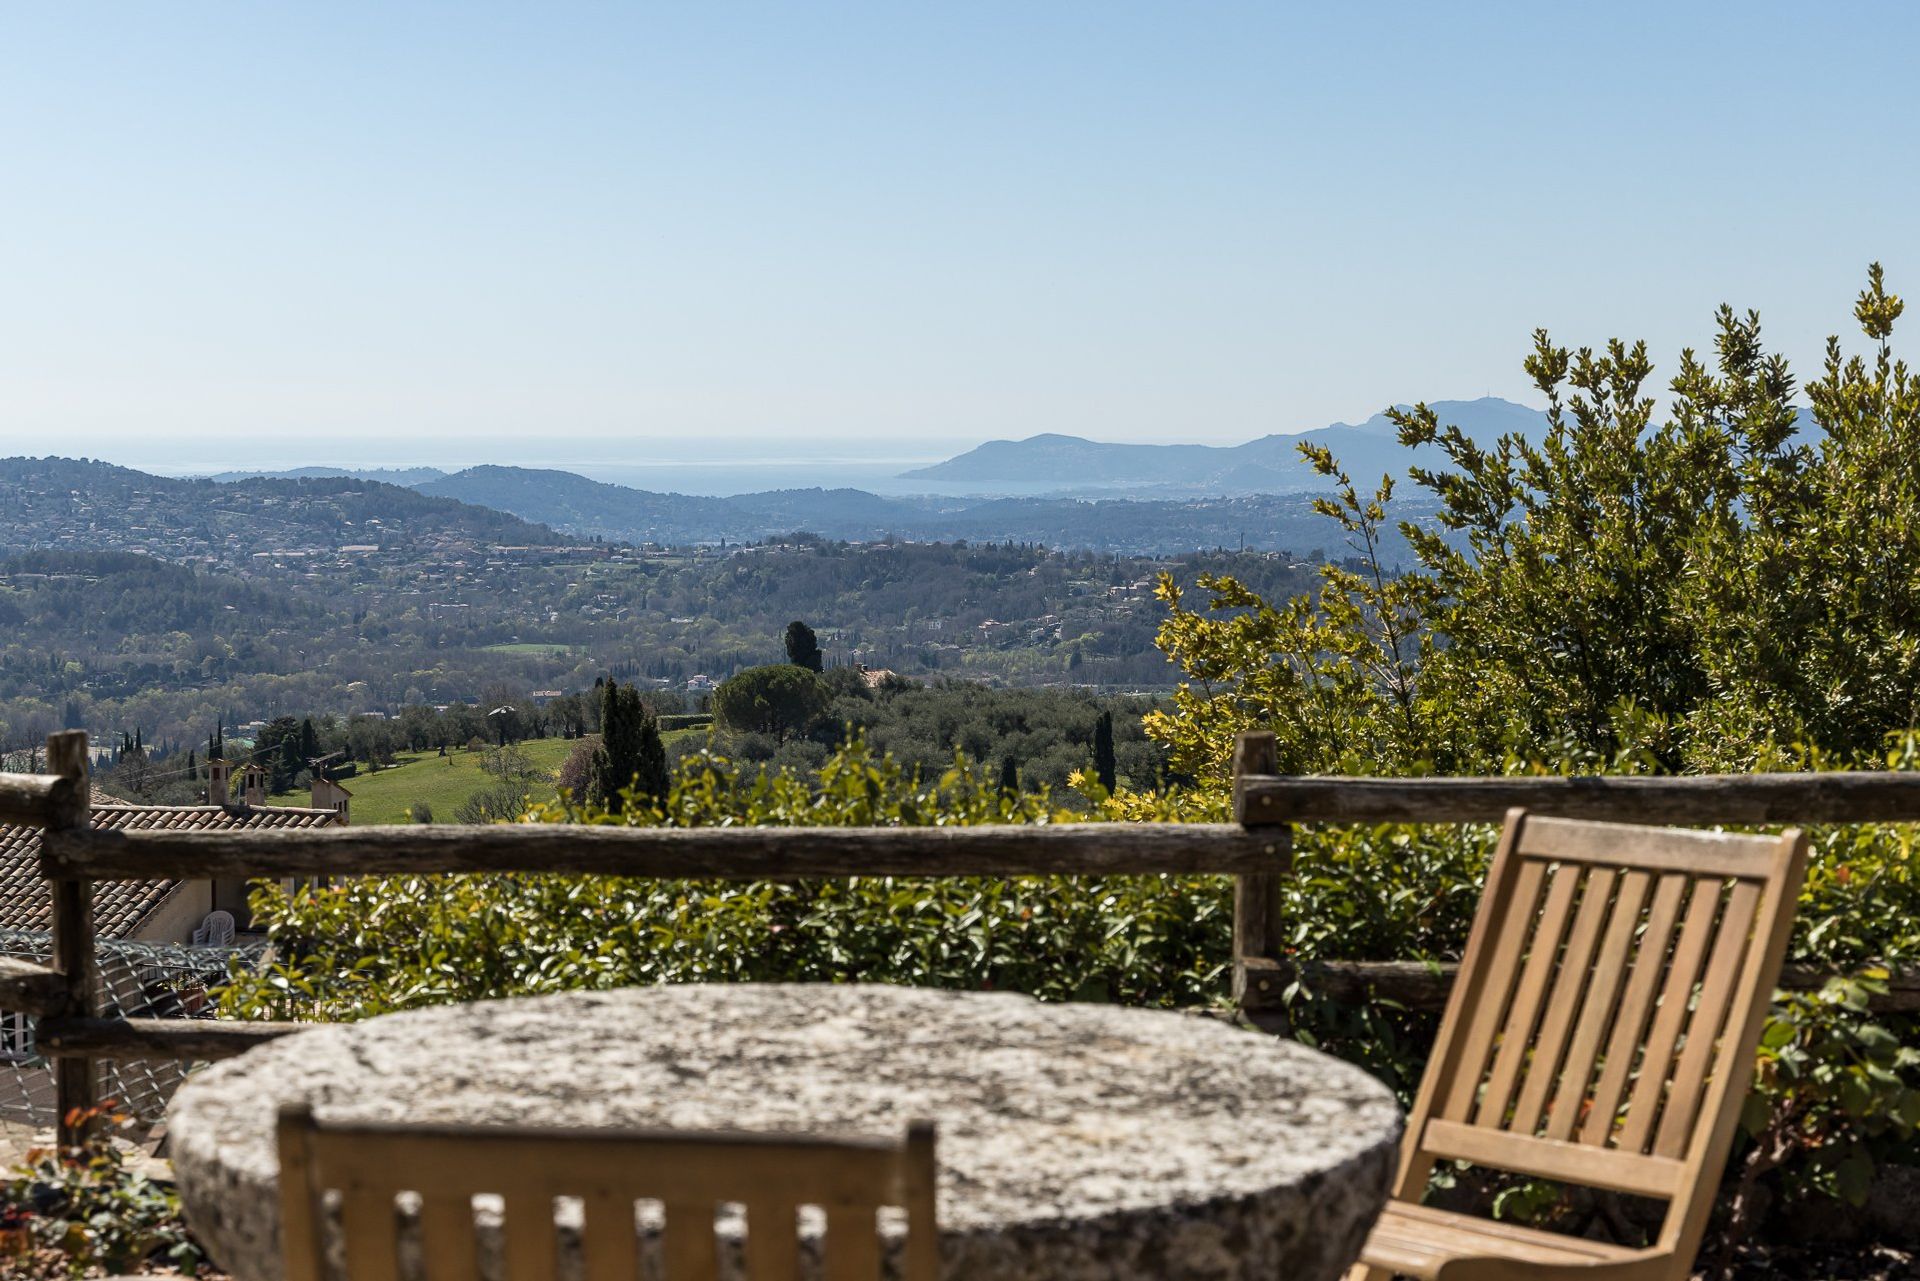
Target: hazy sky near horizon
(452, 233)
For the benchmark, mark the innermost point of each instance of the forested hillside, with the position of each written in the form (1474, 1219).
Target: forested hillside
(115, 641)
(82, 505)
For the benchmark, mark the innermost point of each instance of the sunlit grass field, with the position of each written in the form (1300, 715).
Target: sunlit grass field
(442, 783)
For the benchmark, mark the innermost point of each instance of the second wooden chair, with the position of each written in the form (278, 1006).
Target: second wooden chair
(1601, 1032)
(371, 1165)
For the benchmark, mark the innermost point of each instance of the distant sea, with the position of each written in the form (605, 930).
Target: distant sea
(672, 476)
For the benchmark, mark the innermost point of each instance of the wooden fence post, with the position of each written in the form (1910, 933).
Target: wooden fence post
(1256, 896)
(76, 1080)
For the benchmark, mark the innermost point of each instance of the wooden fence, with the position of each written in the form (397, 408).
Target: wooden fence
(1256, 850)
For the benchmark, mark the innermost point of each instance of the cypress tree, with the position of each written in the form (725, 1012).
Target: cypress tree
(1009, 776)
(1104, 765)
(803, 647)
(630, 754)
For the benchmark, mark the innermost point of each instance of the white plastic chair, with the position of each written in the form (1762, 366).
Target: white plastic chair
(216, 930)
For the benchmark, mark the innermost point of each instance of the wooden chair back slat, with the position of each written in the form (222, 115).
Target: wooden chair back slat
(1655, 1067)
(853, 1247)
(301, 1254)
(447, 1242)
(1748, 1005)
(1636, 1005)
(686, 1242)
(532, 1243)
(1607, 963)
(1563, 1001)
(1709, 1019)
(609, 1243)
(1516, 1035)
(609, 1173)
(1608, 970)
(371, 1222)
(923, 1235)
(773, 1241)
(1488, 987)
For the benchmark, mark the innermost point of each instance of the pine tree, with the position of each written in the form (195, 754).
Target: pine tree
(803, 647)
(1104, 766)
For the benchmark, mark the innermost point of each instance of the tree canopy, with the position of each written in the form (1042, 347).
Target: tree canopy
(803, 647)
(630, 761)
(781, 699)
(1695, 593)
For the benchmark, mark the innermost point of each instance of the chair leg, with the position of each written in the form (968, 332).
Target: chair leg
(1361, 1272)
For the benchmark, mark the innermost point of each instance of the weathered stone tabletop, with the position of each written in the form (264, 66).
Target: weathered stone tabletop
(1076, 1141)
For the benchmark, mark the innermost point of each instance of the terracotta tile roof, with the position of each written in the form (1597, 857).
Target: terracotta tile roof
(120, 906)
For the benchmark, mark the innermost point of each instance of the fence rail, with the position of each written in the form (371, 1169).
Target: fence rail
(1256, 850)
(1419, 985)
(1835, 797)
(738, 853)
(28, 988)
(32, 799)
(193, 1040)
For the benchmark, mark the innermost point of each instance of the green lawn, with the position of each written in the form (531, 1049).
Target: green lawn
(443, 783)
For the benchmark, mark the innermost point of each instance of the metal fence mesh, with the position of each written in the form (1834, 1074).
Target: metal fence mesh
(137, 980)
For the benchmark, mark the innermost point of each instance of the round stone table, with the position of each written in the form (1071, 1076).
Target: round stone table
(1075, 1141)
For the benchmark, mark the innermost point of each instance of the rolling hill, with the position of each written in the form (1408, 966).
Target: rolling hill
(1270, 464)
(1134, 525)
(85, 505)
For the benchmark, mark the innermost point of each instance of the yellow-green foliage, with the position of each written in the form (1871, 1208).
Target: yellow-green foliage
(1740, 575)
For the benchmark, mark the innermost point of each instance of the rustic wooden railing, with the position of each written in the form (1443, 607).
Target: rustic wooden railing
(1256, 850)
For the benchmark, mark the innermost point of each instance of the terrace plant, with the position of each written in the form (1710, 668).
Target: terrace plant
(91, 1213)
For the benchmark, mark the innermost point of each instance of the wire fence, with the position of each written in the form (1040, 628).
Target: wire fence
(137, 980)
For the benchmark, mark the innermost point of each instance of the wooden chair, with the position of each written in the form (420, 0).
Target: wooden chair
(1602, 1033)
(369, 1165)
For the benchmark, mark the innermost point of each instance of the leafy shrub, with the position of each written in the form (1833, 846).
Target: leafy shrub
(1735, 578)
(370, 945)
(88, 1213)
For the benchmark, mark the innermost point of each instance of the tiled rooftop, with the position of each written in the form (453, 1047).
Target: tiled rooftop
(120, 906)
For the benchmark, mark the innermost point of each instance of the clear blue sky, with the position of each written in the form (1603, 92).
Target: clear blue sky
(466, 231)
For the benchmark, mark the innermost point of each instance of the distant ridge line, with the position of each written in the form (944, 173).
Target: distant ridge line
(1267, 464)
